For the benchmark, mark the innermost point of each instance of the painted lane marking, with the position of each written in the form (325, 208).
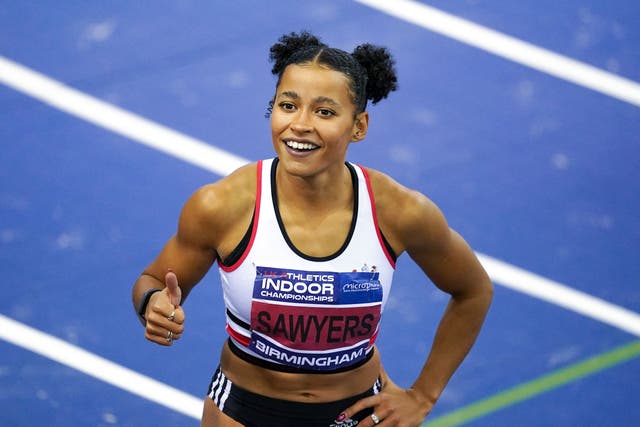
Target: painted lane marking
(556, 293)
(538, 386)
(510, 48)
(117, 120)
(67, 354)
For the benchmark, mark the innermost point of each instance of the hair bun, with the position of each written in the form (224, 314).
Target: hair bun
(289, 44)
(380, 68)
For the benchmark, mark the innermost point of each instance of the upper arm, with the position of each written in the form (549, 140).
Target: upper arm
(448, 260)
(422, 231)
(190, 252)
(212, 220)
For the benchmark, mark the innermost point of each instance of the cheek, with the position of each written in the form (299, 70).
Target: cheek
(342, 133)
(278, 123)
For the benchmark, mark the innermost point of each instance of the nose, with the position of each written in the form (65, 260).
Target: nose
(301, 123)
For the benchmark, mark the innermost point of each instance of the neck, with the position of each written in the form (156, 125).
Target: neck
(324, 191)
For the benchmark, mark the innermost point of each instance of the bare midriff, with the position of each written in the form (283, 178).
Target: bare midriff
(299, 387)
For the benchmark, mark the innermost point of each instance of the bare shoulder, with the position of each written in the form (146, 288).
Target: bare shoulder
(235, 189)
(214, 208)
(408, 218)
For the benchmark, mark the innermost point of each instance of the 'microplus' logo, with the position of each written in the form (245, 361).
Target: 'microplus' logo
(361, 287)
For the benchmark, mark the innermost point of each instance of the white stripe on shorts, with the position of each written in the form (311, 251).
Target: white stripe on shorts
(214, 384)
(221, 387)
(225, 394)
(376, 387)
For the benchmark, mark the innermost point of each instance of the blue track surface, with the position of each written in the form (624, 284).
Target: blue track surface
(532, 170)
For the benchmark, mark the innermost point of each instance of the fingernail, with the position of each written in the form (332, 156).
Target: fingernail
(341, 417)
(170, 270)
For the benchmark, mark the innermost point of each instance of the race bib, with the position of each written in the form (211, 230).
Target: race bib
(314, 320)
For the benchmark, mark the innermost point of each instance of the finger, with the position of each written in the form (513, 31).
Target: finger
(379, 418)
(162, 335)
(162, 326)
(161, 307)
(176, 316)
(166, 311)
(174, 291)
(367, 402)
(158, 321)
(371, 420)
(165, 341)
(157, 340)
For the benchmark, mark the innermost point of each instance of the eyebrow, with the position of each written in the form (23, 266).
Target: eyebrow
(318, 100)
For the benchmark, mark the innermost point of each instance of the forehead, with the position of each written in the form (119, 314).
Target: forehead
(315, 81)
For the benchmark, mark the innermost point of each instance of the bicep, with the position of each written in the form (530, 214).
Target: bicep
(189, 253)
(452, 266)
(189, 262)
(443, 255)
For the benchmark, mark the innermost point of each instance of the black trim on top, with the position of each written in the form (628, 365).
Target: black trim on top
(235, 319)
(387, 245)
(274, 197)
(235, 255)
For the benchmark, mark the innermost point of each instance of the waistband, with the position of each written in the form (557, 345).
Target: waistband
(235, 349)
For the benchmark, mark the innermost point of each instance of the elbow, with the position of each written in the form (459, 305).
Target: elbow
(485, 289)
(481, 292)
(489, 293)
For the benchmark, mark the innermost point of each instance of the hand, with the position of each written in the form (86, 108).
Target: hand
(164, 314)
(393, 406)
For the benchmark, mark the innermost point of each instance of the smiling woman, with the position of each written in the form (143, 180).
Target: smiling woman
(307, 245)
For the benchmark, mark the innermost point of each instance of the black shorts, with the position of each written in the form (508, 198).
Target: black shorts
(255, 410)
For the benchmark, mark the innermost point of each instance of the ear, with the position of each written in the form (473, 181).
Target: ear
(360, 127)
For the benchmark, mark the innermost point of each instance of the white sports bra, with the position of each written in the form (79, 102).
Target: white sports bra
(293, 312)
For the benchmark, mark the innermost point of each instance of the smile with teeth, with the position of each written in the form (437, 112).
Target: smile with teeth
(300, 145)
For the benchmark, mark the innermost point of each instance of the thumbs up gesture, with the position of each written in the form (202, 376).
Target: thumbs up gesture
(165, 317)
(173, 290)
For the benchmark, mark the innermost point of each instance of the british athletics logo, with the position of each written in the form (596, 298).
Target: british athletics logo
(316, 320)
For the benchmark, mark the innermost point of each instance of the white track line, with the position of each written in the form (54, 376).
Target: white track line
(98, 367)
(556, 293)
(510, 48)
(116, 119)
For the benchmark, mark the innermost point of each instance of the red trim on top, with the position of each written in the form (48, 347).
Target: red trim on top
(375, 218)
(255, 223)
(245, 341)
(373, 338)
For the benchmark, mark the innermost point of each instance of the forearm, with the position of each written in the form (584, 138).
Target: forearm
(456, 334)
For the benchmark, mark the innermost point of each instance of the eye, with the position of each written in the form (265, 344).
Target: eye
(324, 112)
(287, 106)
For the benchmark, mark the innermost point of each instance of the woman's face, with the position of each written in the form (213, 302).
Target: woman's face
(312, 122)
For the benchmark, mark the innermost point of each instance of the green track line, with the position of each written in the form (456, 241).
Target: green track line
(538, 386)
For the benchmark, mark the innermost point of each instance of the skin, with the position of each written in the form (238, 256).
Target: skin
(312, 105)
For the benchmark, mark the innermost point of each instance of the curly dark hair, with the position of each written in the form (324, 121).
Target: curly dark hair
(370, 69)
